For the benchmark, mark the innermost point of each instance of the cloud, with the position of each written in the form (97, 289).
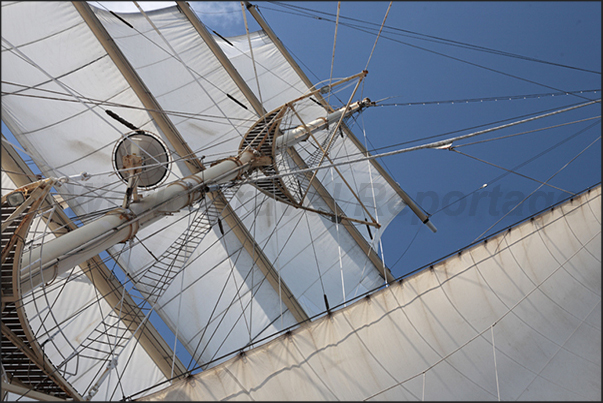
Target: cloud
(220, 15)
(223, 16)
(129, 7)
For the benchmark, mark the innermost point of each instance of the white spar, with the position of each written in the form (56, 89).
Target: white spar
(52, 258)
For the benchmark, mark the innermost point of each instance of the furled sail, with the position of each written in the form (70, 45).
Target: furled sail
(515, 317)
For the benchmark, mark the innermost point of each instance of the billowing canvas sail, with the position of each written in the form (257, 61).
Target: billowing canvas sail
(516, 317)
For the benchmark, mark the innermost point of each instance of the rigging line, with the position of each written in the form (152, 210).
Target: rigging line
(238, 288)
(518, 204)
(103, 321)
(96, 102)
(252, 294)
(511, 171)
(278, 268)
(454, 58)
(429, 145)
(456, 131)
(222, 315)
(527, 132)
(374, 149)
(339, 249)
(408, 247)
(266, 199)
(495, 366)
(44, 288)
(253, 63)
(486, 99)
(382, 162)
(517, 167)
(178, 317)
(378, 35)
(480, 66)
(374, 248)
(305, 214)
(220, 296)
(255, 206)
(334, 43)
(370, 171)
(436, 39)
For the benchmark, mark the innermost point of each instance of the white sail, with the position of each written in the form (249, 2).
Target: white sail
(209, 291)
(515, 318)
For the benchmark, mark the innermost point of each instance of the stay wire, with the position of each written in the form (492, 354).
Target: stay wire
(378, 35)
(374, 149)
(510, 171)
(380, 102)
(479, 66)
(518, 166)
(527, 132)
(463, 61)
(334, 43)
(551, 177)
